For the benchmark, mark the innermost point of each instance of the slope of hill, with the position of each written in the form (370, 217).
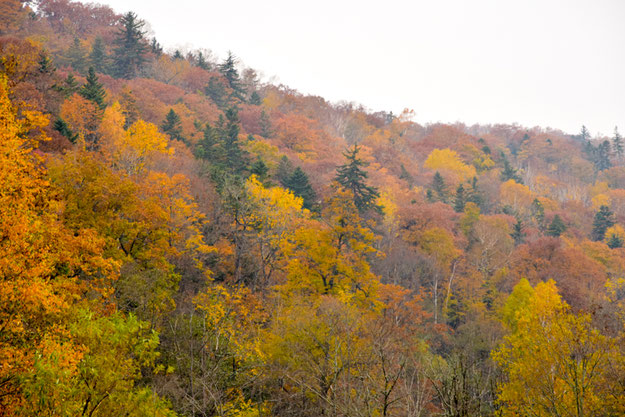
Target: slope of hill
(178, 238)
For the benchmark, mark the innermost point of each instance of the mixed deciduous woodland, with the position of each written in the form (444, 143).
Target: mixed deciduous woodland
(178, 238)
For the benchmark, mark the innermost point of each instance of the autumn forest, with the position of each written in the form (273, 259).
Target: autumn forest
(178, 238)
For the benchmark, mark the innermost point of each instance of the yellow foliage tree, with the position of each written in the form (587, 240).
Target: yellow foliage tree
(450, 165)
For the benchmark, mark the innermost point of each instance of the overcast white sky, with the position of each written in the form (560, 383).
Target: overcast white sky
(551, 63)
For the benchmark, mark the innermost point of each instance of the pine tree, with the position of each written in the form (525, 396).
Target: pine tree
(236, 157)
(130, 110)
(517, 232)
(299, 184)
(209, 148)
(604, 219)
(76, 56)
(261, 170)
(178, 54)
(201, 61)
(62, 127)
(98, 58)
(229, 71)
(172, 125)
(556, 227)
(459, 199)
(131, 47)
(617, 144)
(351, 176)
(474, 195)
(92, 90)
(216, 91)
(265, 124)
(284, 171)
(439, 188)
(255, 99)
(584, 135)
(615, 241)
(538, 212)
(156, 47)
(70, 86)
(602, 156)
(509, 173)
(45, 64)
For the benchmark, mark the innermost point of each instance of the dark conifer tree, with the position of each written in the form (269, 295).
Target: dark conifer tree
(556, 227)
(201, 61)
(178, 54)
(70, 85)
(92, 90)
(172, 125)
(236, 157)
(265, 124)
(474, 195)
(76, 56)
(352, 177)
(130, 46)
(284, 171)
(604, 219)
(517, 232)
(261, 170)
(538, 212)
(98, 58)
(617, 144)
(156, 47)
(602, 156)
(439, 188)
(62, 127)
(459, 199)
(255, 99)
(229, 71)
(615, 241)
(299, 184)
(45, 64)
(509, 173)
(216, 91)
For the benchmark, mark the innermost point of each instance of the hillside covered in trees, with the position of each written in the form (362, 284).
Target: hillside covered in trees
(179, 239)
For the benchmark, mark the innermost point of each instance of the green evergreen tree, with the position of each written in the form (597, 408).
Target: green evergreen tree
(284, 171)
(178, 54)
(602, 156)
(172, 125)
(429, 196)
(209, 147)
(98, 58)
(236, 157)
(265, 124)
(62, 127)
(156, 47)
(130, 110)
(405, 175)
(615, 241)
(216, 91)
(261, 170)
(299, 184)
(556, 227)
(474, 195)
(255, 99)
(517, 232)
(70, 86)
(229, 71)
(76, 56)
(538, 212)
(45, 64)
(130, 46)
(439, 188)
(201, 61)
(351, 176)
(459, 199)
(604, 219)
(617, 144)
(92, 90)
(509, 173)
